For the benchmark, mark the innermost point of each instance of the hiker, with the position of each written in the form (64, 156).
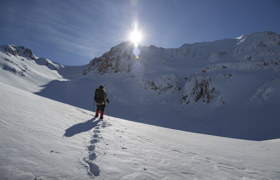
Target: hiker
(100, 98)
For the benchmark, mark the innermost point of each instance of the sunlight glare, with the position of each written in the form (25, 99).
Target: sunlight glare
(135, 36)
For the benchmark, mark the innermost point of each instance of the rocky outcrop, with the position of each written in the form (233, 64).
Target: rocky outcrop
(118, 59)
(198, 88)
(164, 85)
(18, 51)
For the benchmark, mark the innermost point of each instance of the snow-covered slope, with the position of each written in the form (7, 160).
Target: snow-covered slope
(21, 68)
(227, 87)
(32, 142)
(45, 139)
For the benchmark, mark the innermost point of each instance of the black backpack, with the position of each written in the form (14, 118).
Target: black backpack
(99, 96)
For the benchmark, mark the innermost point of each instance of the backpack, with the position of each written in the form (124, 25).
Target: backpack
(99, 96)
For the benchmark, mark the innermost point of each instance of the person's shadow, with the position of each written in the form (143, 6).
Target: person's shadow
(81, 127)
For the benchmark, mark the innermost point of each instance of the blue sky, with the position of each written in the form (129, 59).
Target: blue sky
(72, 32)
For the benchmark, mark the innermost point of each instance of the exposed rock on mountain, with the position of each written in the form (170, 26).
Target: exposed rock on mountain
(198, 88)
(21, 51)
(18, 51)
(118, 59)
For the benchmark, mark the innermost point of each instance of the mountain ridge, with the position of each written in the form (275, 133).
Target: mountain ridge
(234, 48)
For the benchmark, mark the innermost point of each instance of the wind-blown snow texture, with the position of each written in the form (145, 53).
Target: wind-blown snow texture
(227, 88)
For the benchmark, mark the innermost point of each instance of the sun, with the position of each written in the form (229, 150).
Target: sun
(135, 36)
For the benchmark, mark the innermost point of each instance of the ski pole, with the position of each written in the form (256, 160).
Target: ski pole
(108, 113)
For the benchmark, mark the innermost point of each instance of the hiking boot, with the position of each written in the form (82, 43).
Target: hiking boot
(101, 114)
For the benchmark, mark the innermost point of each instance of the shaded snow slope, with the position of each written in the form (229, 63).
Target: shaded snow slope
(45, 139)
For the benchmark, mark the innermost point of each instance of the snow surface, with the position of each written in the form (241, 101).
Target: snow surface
(45, 139)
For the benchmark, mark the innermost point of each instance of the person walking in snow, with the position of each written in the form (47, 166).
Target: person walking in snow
(100, 98)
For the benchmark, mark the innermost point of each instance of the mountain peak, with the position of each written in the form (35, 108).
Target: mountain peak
(22, 52)
(18, 51)
(118, 59)
(267, 37)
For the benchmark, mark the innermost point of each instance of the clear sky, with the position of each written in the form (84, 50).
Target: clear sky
(72, 32)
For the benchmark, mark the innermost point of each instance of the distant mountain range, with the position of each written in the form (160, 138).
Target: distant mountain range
(219, 88)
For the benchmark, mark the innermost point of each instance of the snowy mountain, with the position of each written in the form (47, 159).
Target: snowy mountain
(189, 70)
(227, 88)
(19, 67)
(236, 80)
(218, 88)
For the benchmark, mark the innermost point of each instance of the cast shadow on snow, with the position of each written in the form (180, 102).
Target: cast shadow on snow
(70, 92)
(81, 127)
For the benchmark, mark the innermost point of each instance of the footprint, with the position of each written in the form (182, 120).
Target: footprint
(94, 141)
(91, 147)
(105, 124)
(92, 156)
(95, 136)
(96, 131)
(93, 168)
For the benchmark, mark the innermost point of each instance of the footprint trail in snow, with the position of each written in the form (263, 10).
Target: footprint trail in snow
(92, 167)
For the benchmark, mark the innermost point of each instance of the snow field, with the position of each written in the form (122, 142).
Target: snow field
(45, 139)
